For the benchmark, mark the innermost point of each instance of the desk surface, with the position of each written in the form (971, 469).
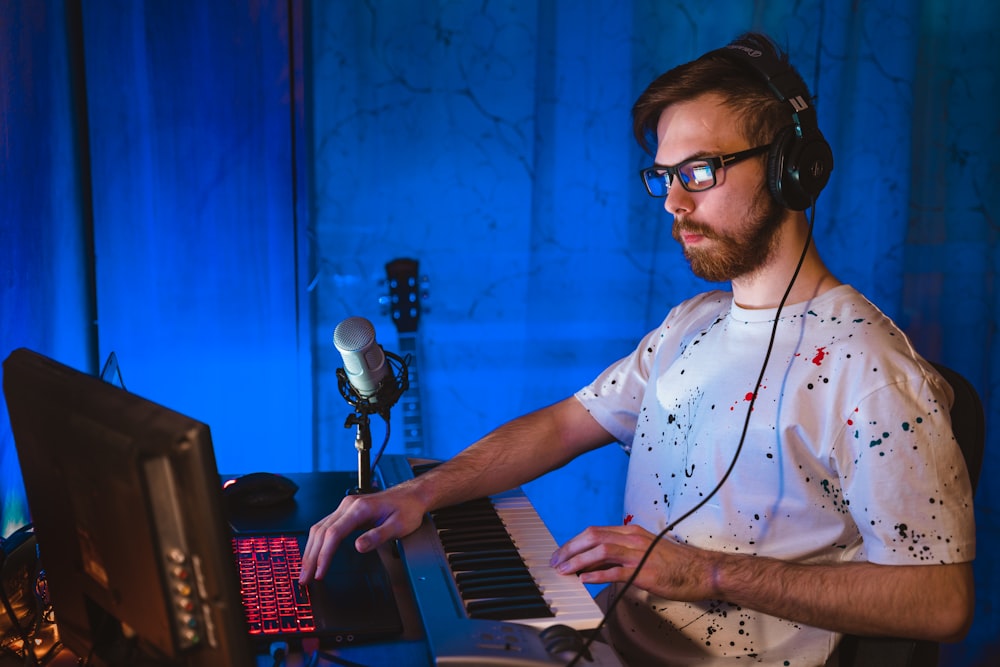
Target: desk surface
(319, 494)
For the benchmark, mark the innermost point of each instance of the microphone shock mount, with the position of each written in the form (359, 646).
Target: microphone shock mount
(379, 403)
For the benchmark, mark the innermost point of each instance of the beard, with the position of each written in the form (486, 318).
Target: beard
(739, 253)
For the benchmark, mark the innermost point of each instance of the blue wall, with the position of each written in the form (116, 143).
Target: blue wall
(209, 188)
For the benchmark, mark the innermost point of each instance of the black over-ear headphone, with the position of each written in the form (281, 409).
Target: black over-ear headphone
(800, 159)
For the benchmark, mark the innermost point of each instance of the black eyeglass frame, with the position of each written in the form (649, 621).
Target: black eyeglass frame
(715, 162)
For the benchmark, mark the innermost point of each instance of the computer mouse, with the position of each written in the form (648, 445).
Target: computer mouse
(259, 489)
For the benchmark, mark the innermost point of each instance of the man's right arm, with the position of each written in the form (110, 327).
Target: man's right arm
(513, 454)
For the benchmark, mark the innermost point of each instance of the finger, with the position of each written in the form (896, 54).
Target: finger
(311, 552)
(573, 546)
(606, 574)
(586, 540)
(594, 549)
(602, 548)
(327, 547)
(371, 539)
(324, 538)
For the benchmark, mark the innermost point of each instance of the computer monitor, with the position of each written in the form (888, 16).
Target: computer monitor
(126, 503)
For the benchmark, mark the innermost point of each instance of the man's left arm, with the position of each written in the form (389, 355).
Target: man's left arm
(920, 601)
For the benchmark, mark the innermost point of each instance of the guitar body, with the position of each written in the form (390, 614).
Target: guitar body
(406, 294)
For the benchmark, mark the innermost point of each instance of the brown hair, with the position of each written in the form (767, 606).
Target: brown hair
(759, 113)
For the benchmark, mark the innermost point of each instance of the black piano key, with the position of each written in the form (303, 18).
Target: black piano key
(421, 468)
(498, 580)
(485, 547)
(512, 608)
(474, 527)
(483, 561)
(481, 504)
(494, 580)
(471, 541)
(507, 590)
(474, 546)
(495, 574)
(478, 507)
(470, 522)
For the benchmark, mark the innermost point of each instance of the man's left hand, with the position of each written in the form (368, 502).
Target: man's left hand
(605, 554)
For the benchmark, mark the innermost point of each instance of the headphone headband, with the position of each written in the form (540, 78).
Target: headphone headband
(801, 160)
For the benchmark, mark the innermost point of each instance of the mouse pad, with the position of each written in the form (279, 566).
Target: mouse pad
(319, 494)
(354, 602)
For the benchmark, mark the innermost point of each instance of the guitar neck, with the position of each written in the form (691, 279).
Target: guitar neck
(413, 422)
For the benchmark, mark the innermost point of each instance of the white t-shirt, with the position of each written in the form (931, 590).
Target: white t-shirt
(849, 455)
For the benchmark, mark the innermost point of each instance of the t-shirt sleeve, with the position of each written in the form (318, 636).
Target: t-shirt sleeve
(615, 397)
(905, 478)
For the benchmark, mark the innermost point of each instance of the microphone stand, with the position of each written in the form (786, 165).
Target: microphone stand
(379, 402)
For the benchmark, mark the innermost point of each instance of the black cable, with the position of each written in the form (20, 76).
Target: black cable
(739, 448)
(385, 441)
(278, 651)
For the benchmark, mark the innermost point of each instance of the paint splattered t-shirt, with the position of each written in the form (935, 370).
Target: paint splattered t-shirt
(848, 455)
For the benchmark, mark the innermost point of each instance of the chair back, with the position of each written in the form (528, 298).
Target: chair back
(968, 421)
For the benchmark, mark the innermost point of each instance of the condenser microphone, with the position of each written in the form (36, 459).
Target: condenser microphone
(364, 359)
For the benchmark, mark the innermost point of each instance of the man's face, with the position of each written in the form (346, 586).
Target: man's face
(730, 231)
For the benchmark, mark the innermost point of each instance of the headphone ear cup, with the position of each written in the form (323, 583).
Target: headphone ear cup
(798, 168)
(777, 159)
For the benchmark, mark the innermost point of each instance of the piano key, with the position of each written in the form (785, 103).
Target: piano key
(485, 590)
(509, 608)
(492, 577)
(428, 551)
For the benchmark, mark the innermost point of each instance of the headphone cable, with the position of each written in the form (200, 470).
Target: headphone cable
(739, 448)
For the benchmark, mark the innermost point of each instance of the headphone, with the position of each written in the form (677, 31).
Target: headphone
(800, 160)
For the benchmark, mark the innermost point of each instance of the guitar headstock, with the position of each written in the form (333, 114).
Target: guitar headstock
(407, 292)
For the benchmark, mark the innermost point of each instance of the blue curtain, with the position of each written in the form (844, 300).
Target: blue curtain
(154, 205)
(210, 188)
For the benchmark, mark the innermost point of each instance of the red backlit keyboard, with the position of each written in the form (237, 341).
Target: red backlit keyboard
(269, 567)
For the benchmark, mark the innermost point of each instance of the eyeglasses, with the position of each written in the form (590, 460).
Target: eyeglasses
(694, 175)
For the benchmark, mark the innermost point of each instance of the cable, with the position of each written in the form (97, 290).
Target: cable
(278, 651)
(401, 378)
(385, 441)
(739, 447)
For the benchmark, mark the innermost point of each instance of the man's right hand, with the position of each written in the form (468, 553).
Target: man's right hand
(389, 514)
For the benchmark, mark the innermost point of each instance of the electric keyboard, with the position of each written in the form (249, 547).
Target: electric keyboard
(484, 589)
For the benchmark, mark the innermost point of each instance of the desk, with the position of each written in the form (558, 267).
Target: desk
(319, 493)
(501, 642)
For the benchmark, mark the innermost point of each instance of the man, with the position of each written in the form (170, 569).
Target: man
(793, 450)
